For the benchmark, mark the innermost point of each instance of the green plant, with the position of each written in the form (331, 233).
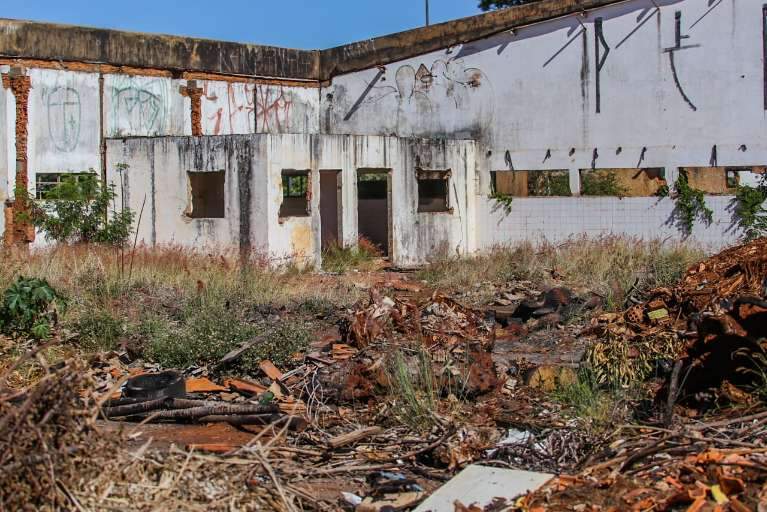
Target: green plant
(589, 400)
(27, 308)
(750, 211)
(78, 211)
(208, 330)
(548, 184)
(757, 370)
(503, 201)
(601, 183)
(341, 259)
(690, 204)
(98, 330)
(413, 388)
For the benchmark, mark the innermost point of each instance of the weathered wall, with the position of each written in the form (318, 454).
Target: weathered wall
(556, 219)
(64, 123)
(65, 109)
(6, 140)
(283, 109)
(145, 106)
(157, 182)
(618, 88)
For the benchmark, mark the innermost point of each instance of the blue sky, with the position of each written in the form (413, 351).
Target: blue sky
(305, 24)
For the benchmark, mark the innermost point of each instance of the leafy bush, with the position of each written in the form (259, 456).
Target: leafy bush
(749, 208)
(27, 308)
(690, 204)
(601, 183)
(78, 210)
(99, 330)
(208, 332)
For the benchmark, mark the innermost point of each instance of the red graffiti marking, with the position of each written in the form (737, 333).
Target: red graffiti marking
(272, 109)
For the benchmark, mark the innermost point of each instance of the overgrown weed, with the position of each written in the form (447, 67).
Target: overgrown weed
(598, 405)
(611, 266)
(341, 259)
(413, 388)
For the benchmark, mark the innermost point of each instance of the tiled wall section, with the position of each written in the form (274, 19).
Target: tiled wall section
(555, 219)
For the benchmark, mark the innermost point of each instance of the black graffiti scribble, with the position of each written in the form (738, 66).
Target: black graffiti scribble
(679, 37)
(64, 115)
(600, 46)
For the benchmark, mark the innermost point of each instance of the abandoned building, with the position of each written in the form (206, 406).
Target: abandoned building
(544, 121)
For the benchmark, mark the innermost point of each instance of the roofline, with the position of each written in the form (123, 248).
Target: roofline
(57, 42)
(411, 43)
(50, 41)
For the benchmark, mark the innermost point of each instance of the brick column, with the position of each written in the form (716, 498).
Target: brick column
(20, 229)
(195, 95)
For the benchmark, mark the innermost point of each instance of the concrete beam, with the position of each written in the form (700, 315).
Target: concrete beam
(48, 41)
(386, 49)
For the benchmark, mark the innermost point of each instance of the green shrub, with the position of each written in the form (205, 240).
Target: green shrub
(78, 211)
(210, 331)
(98, 330)
(27, 308)
(690, 204)
(750, 211)
(601, 183)
(341, 259)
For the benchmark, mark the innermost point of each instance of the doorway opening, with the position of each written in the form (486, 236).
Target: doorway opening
(373, 207)
(330, 213)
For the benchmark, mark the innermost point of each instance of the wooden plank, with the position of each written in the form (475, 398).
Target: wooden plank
(353, 437)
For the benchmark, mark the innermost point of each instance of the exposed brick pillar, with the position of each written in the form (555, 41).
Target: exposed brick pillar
(195, 95)
(20, 229)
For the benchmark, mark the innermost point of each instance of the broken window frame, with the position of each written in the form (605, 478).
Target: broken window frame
(732, 177)
(496, 193)
(287, 177)
(658, 174)
(210, 212)
(432, 175)
(43, 187)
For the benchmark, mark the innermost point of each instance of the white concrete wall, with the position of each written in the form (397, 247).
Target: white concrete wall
(284, 109)
(156, 182)
(5, 140)
(145, 106)
(555, 219)
(228, 108)
(157, 179)
(64, 124)
(530, 96)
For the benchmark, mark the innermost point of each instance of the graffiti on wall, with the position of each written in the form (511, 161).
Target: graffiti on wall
(422, 96)
(273, 107)
(139, 106)
(234, 113)
(64, 115)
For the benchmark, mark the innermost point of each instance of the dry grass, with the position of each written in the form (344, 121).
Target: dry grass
(158, 300)
(610, 266)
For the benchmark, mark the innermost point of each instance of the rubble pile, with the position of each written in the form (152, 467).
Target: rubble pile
(709, 329)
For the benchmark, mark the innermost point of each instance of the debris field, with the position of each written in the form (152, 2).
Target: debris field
(414, 386)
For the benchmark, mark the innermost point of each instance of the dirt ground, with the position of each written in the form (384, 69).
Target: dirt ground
(655, 405)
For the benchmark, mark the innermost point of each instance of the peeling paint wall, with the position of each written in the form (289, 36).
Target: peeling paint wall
(664, 83)
(157, 181)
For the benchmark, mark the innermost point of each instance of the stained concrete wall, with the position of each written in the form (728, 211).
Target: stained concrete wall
(157, 182)
(617, 88)
(64, 122)
(6, 106)
(65, 109)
